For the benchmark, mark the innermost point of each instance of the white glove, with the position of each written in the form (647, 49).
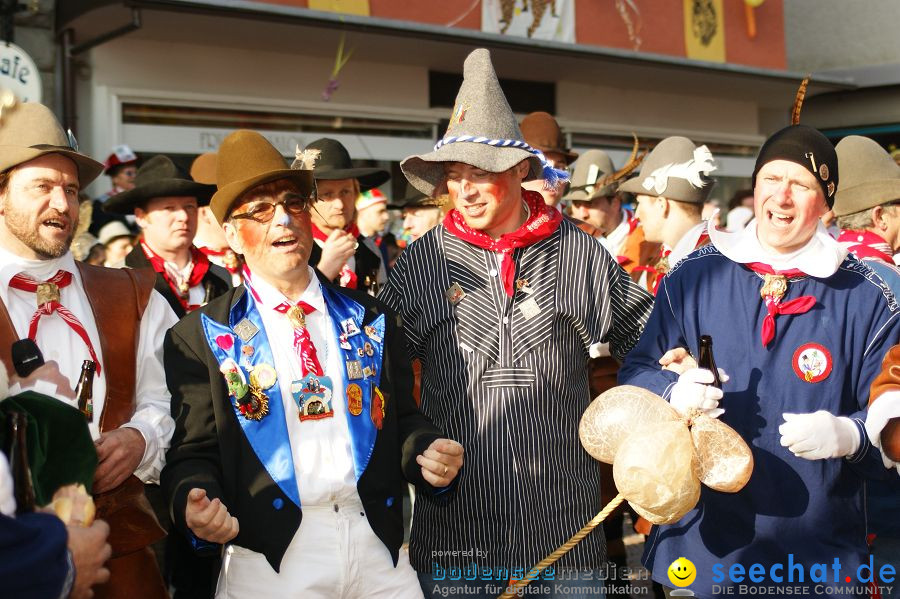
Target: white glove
(819, 435)
(693, 391)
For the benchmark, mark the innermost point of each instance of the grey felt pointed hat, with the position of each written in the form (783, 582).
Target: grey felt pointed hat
(483, 131)
(676, 169)
(591, 167)
(869, 176)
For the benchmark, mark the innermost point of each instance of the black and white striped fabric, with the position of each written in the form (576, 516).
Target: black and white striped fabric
(511, 386)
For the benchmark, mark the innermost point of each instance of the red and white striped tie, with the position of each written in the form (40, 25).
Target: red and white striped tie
(61, 279)
(303, 345)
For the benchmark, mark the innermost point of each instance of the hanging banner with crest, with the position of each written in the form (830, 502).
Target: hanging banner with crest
(537, 19)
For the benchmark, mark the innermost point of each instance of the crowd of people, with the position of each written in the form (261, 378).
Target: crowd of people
(272, 373)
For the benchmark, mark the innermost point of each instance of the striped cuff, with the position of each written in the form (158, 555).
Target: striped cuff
(864, 443)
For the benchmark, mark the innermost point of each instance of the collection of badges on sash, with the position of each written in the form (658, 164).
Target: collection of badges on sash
(313, 394)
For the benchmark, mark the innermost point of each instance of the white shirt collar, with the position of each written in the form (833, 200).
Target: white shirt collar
(820, 257)
(271, 297)
(40, 270)
(617, 236)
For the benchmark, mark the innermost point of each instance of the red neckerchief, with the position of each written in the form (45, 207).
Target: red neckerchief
(866, 245)
(661, 268)
(229, 259)
(347, 278)
(201, 266)
(542, 222)
(632, 225)
(61, 279)
(774, 305)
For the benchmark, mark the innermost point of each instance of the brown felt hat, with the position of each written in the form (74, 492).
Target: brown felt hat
(203, 169)
(869, 176)
(30, 130)
(541, 131)
(247, 159)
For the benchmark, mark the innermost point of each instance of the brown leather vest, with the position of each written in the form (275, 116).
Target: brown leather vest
(118, 298)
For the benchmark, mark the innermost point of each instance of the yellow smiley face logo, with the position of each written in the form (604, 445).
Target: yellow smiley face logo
(682, 572)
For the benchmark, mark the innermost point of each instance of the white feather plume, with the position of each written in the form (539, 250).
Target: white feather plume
(692, 171)
(305, 160)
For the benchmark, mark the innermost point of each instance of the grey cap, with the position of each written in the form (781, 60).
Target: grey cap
(869, 176)
(676, 169)
(481, 111)
(591, 167)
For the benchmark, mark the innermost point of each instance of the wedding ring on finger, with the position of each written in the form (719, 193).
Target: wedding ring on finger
(446, 469)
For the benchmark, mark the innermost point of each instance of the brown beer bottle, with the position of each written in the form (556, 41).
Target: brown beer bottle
(706, 360)
(17, 451)
(84, 390)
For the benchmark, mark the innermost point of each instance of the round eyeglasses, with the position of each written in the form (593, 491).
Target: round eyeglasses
(264, 211)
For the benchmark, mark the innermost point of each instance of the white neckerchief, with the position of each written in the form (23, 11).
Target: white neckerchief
(820, 257)
(687, 243)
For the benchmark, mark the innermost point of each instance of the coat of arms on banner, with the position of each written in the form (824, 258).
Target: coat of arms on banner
(537, 19)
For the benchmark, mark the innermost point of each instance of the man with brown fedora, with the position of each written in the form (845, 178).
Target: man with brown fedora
(671, 188)
(165, 203)
(295, 426)
(501, 303)
(866, 205)
(108, 318)
(541, 131)
(339, 251)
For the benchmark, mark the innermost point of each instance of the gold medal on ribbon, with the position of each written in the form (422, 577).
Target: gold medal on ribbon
(774, 286)
(296, 317)
(47, 292)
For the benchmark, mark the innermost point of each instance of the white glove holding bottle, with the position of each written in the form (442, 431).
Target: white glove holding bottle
(693, 390)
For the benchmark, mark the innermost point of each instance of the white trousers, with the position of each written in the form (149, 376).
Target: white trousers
(333, 555)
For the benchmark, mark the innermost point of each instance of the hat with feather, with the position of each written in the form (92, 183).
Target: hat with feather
(805, 146)
(483, 132)
(676, 169)
(595, 176)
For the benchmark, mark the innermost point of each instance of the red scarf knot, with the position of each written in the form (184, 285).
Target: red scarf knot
(303, 345)
(774, 305)
(49, 305)
(199, 269)
(543, 221)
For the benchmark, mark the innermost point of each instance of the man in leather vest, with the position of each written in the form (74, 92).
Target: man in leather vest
(75, 312)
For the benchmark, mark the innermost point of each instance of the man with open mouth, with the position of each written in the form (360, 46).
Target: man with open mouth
(800, 327)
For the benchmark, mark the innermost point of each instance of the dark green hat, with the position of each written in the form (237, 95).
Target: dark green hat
(60, 448)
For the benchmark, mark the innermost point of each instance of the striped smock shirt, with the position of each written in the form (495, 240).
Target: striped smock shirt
(510, 384)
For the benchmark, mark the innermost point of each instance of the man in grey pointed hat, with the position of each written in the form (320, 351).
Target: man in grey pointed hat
(165, 202)
(109, 317)
(801, 328)
(501, 303)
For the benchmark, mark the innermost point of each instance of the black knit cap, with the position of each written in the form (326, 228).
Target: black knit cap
(808, 148)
